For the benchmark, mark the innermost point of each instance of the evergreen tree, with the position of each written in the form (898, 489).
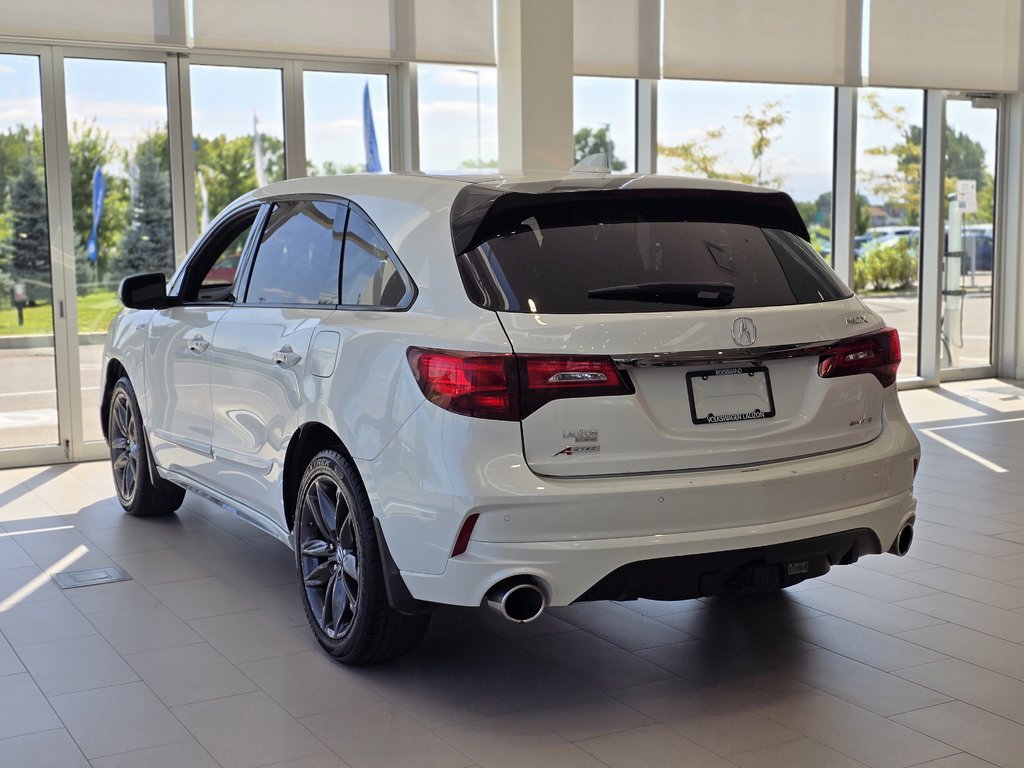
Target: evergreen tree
(148, 244)
(30, 231)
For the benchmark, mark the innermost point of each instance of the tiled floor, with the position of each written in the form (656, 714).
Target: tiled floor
(204, 658)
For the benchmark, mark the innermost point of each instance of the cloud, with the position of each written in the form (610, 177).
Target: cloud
(7, 70)
(456, 108)
(15, 112)
(125, 121)
(345, 126)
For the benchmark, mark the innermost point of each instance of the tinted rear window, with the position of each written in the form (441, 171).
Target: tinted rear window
(550, 262)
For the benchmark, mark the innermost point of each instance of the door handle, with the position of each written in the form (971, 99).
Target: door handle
(198, 344)
(285, 357)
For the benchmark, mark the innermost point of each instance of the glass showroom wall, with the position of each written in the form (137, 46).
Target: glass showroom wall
(887, 246)
(347, 122)
(28, 391)
(237, 133)
(777, 136)
(121, 196)
(458, 118)
(604, 120)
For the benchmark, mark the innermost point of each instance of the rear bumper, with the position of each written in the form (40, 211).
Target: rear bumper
(571, 570)
(570, 534)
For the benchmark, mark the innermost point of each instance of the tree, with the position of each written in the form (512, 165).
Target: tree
(30, 236)
(824, 211)
(229, 169)
(90, 148)
(901, 187)
(592, 141)
(763, 125)
(148, 244)
(702, 157)
(472, 164)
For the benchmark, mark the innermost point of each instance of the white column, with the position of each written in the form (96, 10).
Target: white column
(646, 126)
(535, 66)
(933, 235)
(844, 196)
(1010, 353)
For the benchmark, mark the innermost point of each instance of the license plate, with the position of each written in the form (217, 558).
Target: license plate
(730, 395)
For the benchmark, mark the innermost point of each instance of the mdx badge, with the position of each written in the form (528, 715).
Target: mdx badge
(744, 332)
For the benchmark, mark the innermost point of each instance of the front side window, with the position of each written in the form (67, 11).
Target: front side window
(369, 277)
(211, 274)
(299, 256)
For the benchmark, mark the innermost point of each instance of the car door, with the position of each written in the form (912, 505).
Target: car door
(177, 349)
(260, 351)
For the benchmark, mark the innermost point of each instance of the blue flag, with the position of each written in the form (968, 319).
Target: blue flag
(99, 193)
(369, 134)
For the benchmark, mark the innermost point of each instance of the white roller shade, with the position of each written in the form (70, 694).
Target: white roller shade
(157, 22)
(338, 27)
(951, 44)
(782, 41)
(617, 38)
(455, 31)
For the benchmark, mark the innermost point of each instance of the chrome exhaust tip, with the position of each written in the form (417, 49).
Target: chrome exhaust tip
(903, 541)
(517, 601)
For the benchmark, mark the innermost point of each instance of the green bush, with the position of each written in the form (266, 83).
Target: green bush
(886, 267)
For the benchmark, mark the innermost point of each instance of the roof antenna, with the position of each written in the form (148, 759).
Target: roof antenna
(595, 163)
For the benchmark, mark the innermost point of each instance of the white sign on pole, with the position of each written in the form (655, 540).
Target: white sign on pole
(967, 195)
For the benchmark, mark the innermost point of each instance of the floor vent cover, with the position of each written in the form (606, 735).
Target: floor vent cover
(72, 579)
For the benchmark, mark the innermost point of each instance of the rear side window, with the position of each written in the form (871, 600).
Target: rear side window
(299, 256)
(369, 275)
(597, 259)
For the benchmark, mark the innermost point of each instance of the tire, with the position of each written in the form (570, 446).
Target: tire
(337, 559)
(129, 458)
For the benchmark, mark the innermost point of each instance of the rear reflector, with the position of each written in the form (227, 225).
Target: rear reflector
(462, 540)
(511, 387)
(877, 354)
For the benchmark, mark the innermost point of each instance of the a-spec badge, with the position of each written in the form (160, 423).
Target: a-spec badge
(576, 450)
(744, 332)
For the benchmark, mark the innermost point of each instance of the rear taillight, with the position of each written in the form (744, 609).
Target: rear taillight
(511, 387)
(876, 353)
(483, 386)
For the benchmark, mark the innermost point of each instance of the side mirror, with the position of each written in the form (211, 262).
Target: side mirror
(147, 291)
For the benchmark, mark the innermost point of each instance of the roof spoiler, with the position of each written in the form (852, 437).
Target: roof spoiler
(480, 213)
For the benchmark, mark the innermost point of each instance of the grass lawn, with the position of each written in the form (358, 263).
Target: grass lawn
(95, 312)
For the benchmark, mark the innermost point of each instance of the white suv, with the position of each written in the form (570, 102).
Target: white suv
(521, 391)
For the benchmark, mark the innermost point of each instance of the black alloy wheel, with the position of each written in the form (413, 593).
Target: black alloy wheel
(338, 562)
(137, 491)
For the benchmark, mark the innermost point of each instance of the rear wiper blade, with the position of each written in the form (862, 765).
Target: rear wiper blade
(700, 294)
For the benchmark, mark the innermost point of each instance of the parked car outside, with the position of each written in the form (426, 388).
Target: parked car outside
(515, 391)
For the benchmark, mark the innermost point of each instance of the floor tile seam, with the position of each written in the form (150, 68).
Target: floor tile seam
(802, 737)
(191, 739)
(976, 600)
(885, 670)
(966, 626)
(188, 730)
(81, 748)
(962, 700)
(944, 704)
(853, 588)
(472, 762)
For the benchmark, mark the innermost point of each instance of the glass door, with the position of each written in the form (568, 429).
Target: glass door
(29, 300)
(122, 209)
(970, 264)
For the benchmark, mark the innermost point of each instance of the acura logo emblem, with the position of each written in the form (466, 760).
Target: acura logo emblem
(743, 331)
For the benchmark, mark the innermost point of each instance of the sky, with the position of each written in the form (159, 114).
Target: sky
(129, 98)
